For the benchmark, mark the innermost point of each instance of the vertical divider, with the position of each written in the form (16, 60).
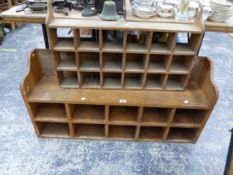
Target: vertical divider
(124, 58)
(101, 58)
(170, 119)
(106, 120)
(77, 66)
(139, 119)
(76, 38)
(69, 111)
(52, 37)
(147, 57)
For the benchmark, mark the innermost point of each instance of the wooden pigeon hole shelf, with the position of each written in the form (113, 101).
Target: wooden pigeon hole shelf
(124, 63)
(172, 116)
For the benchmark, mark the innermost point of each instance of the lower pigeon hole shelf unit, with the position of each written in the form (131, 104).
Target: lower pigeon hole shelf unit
(172, 116)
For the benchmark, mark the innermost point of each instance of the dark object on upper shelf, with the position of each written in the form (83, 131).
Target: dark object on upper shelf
(86, 10)
(62, 4)
(99, 4)
(229, 161)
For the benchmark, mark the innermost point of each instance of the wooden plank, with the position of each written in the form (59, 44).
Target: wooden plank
(47, 90)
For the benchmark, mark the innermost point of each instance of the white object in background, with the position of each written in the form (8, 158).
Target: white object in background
(206, 13)
(165, 10)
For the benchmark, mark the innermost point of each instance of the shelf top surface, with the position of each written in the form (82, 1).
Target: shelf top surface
(47, 90)
(122, 24)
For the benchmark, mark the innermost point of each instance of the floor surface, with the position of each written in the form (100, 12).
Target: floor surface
(22, 153)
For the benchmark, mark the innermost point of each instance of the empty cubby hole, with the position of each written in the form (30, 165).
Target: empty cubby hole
(135, 62)
(122, 132)
(189, 116)
(137, 41)
(133, 80)
(88, 39)
(90, 79)
(65, 61)
(112, 62)
(151, 133)
(61, 38)
(89, 61)
(176, 82)
(48, 129)
(154, 81)
(187, 43)
(162, 42)
(112, 40)
(182, 134)
(123, 114)
(68, 79)
(48, 111)
(158, 63)
(89, 130)
(181, 64)
(156, 115)
(86, 112)
(112, 80)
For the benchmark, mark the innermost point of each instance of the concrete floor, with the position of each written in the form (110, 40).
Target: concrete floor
(22, 153)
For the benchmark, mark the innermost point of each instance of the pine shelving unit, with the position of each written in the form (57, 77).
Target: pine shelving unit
(122, 90)
(123, 64)
(169, 116)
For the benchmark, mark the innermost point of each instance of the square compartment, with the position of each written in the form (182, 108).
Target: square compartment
(135, 62)
(182, 134)
(113, 40)
(89, 131)
(133, 80)
(49, 112)
(112, 62)
(89, 61)
(187, 43)
(68, 79)
(176, 82)
(137, 41)
(156, 115)
(151, 133)
(123, 114)
(158, 63)
(62, 39)
(112, 80)
(162, 42)
(88, 40)
(189, 116)
(181, 64)
(154, 81)
(90, 80)
(47, 129)
(65, 61)
(122, 132)
(87, 113)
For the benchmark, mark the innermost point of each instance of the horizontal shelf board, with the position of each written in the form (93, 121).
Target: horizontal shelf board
(153, 84)
(156, 68)
(174, 85)
(67, 65)
(88, 46)
(186, 125)
(122, 131)
(48, 91)
(89, 131)
(154, 124)
(132, 83)
(112, 47)
(183, 49)
(123, 123)
(69, 82)
(88, 113)
(64, 45)
(136, 48)
(179, 69)
(133, 66)
(112, 83)
(125, 25)
(159, 48)
(55, 130)
(88, 121)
